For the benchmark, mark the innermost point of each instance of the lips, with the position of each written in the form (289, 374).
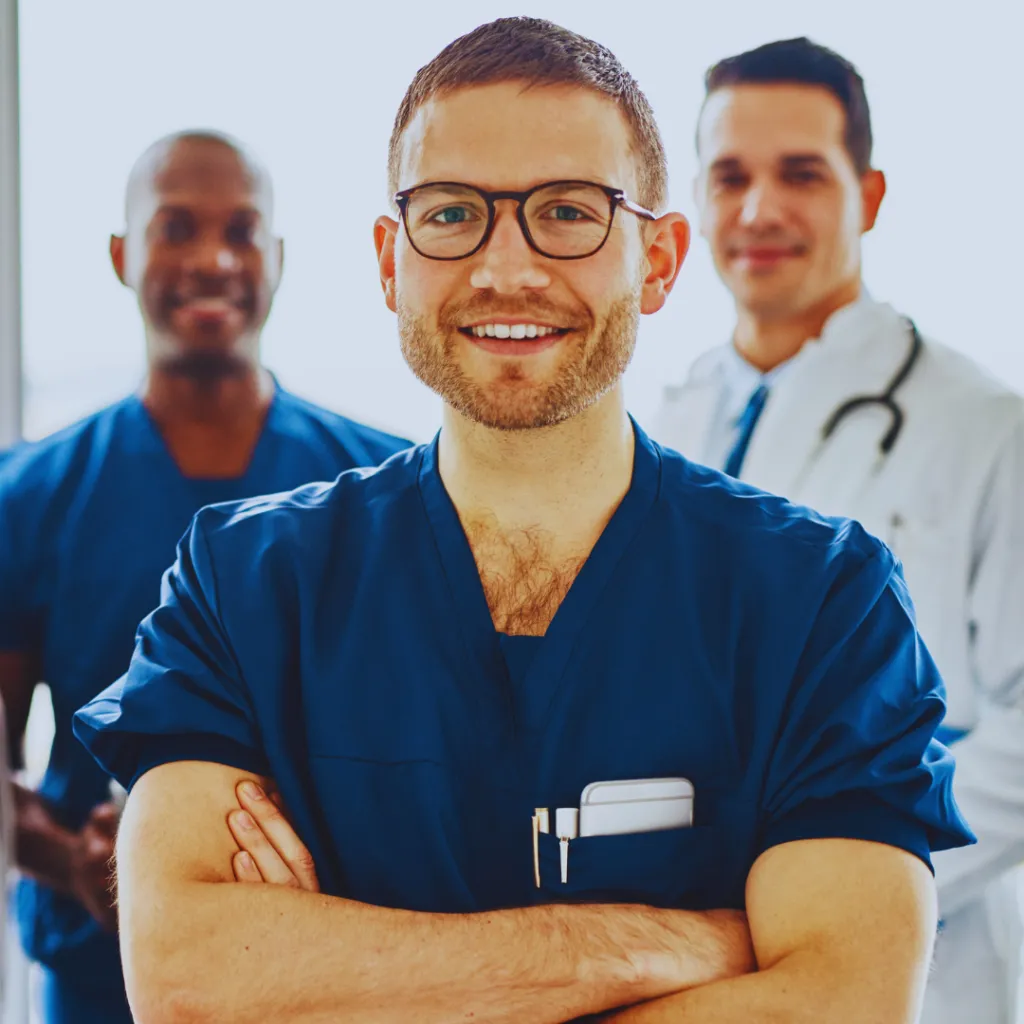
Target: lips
(209, 306)
(765, 253)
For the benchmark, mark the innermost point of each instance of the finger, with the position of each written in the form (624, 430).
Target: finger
(245, 868)
(105, 818)
(280, 834)
(99, 848)
(251, 840)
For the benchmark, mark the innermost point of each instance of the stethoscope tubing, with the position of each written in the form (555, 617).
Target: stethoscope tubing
(886, 398)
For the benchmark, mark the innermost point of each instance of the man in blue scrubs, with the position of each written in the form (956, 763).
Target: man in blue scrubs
(419, 657)
(89, 519)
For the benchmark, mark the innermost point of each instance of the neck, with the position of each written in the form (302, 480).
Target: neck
(176, 398)
(567, 479)
(768, 341)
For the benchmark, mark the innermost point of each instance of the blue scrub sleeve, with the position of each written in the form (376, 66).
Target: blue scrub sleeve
(20, 611)
(856, 756)
(182, 698)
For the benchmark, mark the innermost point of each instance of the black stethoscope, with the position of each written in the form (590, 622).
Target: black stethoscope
(886, 398)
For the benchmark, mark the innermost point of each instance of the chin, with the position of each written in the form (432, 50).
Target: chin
(510, 412)
(205, 364)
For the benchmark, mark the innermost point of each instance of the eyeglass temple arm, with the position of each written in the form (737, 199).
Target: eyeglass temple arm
(640, 211)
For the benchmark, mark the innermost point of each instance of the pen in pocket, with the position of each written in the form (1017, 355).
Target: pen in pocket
(567, 826)
(541, 822)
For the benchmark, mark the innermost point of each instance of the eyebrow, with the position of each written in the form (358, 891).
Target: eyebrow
(793, 161)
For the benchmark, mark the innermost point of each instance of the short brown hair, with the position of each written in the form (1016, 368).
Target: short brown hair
(802, 62)
(538, 52)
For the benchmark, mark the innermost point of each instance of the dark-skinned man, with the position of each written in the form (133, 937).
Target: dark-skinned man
(89, 519)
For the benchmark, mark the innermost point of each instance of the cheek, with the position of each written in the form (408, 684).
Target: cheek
(422, 285)
(830, 222)
(714, 225)
(602, 279)
(155, 280)
(259, 267)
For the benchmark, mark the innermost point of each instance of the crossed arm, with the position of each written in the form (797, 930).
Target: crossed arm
(841, 930)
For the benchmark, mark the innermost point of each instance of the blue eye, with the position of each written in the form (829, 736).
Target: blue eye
(452, 215)
(567, 213)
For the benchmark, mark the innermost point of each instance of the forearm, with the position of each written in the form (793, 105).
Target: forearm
(43, 848)
(212, 951)
(804, 988)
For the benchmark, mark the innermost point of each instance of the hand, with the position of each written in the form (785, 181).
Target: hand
(269, 849)
(92, 869)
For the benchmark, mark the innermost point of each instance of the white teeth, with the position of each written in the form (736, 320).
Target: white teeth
(517, 332)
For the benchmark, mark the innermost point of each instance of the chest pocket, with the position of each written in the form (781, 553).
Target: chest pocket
(673, 868)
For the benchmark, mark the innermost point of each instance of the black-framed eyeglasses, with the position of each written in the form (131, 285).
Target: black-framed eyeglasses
(562, 220)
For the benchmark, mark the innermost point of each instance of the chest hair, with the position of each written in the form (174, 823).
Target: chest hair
(525, 578)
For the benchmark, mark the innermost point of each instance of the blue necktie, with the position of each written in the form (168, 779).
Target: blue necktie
(745, 427)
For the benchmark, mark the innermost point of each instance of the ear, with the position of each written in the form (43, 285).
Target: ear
(117, 257)
(668, 240)
(385, 231)
(872, 191)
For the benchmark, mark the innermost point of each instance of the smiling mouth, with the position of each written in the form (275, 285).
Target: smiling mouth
(514, 332)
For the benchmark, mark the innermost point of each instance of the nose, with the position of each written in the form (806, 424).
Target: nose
(506, 263)
(212, 255)
(761, 206)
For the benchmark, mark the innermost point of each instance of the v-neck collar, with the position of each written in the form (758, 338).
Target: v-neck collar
(564, 633)
(152, 440)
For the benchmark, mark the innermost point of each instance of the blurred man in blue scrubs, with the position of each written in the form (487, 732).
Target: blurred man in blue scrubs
(432, 661)
(89, 519)
(832, 398)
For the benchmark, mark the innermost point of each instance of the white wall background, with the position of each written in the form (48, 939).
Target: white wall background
(313, 87)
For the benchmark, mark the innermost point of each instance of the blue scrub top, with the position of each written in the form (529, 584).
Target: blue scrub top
(338, 639)
(89, 520)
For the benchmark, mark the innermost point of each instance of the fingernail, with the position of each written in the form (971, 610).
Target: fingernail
(245, 861)
(244, 821)
(252, 791)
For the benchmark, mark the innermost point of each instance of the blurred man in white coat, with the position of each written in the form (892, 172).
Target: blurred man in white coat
(835, 401)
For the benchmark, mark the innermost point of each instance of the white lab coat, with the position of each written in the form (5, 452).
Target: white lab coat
(949, 500)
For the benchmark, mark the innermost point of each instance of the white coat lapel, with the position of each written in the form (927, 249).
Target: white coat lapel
(857, 354)
(687, 410)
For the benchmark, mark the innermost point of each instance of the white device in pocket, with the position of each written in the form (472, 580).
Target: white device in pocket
(635, 805)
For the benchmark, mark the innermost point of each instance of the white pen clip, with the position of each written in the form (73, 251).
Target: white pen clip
(567, 826)
(541, 822)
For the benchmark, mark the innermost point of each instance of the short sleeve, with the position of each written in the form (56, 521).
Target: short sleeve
(856, 756)
(182, 697)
